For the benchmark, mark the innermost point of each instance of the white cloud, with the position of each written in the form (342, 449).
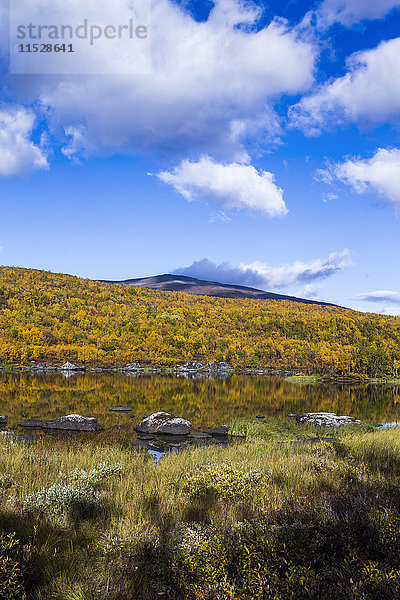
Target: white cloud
(380, 296)
(349, 12)
(18, 153)
(392, 311)
(260, 274)
(234, 186)
(369, 93)
(309, 291)
(220, 217)
(329, 197)
(211, 87)
(379, 173)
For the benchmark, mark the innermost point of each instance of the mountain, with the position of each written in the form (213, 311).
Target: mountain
(200, 287)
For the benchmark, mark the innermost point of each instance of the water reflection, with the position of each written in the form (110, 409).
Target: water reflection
(205, 402)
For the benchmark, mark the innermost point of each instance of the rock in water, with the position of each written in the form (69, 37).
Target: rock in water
(73, 423)
(325, 419)
(217, 431)
(123, 409)
(166, 423)
(32, 424)
(71, 367)
(132, 367)
(39, 368)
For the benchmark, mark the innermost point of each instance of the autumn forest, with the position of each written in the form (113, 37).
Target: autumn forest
(53, 318)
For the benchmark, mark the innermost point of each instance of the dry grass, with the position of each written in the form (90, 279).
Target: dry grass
(160, 530)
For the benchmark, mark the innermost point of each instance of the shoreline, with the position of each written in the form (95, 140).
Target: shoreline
(287, 376)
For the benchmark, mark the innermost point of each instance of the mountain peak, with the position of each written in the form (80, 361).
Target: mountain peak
(190, 285)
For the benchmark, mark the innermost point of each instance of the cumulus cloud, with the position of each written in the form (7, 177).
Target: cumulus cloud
(260, 274)
(211, 87)
(353, 11)
(380, 296)
(18, 153)
(379, 173)
(234, 186)
(369, 93)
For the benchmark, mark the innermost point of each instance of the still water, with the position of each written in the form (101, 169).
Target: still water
(205, 402)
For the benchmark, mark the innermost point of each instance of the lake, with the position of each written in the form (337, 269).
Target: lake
(205, 402)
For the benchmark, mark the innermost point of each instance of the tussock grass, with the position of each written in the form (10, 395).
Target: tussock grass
(273, 429)
(255, 520)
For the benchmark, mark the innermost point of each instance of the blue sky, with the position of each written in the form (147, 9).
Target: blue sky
(262, 148)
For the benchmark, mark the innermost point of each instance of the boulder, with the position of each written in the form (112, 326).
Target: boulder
(71, 367)
(325, 419)
(73, 423)
(123, 409)
(218, 431)
(223, 366)
(165, 423)
(32, 424)
(38, 368)
(132, 367)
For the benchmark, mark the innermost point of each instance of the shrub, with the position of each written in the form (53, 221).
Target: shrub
(13, 563)
(95, 477)
(259, 560)
(79, 499)
(224, 481)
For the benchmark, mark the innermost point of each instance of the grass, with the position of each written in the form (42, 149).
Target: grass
(387, 380)
(255, 520)
(302, 379)
(270, 429)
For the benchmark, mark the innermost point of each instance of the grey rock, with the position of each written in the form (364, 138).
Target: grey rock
(38, 368)
(189, 367)
(3, 420)
(325, 419)
(32, 424)
(71, 367)
(218, 431)
(223, 366)
(122, 409)
(165, 423)
(132, 367)
(73, 423)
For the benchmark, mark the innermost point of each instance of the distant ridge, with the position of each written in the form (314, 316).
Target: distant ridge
(191, 285)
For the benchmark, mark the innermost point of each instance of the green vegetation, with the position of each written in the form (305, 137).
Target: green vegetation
(302, 379)
(270, 429)
(52, 317)
(94, 518)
